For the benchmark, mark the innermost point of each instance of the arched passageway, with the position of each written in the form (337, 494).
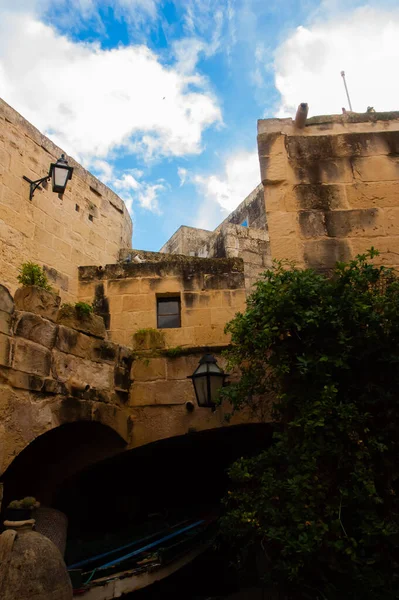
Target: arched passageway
(55, 456)
(111, 496)
(151, 487)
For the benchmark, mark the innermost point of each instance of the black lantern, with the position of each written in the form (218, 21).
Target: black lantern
(208, 379)
(59, 172)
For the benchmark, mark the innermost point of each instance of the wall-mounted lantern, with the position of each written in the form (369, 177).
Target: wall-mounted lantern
(59, 172)
(207, 379)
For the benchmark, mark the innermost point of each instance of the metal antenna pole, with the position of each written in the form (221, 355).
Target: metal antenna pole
(346, 89)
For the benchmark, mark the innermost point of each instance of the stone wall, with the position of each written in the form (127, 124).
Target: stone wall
(89, 225)
(331, 189)
(252, 210)
(191, 241)
(57, 368)
(230, 239)
(211, 291)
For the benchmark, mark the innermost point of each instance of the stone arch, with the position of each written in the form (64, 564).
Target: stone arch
(26, 418)
(57, 454)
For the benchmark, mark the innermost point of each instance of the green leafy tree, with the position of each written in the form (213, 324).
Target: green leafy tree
(320, 506)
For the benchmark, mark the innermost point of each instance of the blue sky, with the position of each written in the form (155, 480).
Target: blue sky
(160, 98)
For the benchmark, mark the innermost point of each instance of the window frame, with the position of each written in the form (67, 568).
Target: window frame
(168, 298)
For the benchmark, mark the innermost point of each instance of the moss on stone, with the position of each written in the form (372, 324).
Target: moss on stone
(145, 339)
(173, 352)
(165, 264)
(353, 118)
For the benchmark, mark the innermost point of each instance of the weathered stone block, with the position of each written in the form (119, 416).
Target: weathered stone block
(312, 223)
(148, 369)
(25, 381)
(221, 316)
(6, 301)
(122, 380)
(323, 254)
(105, 351)
(135, 320)
(5, 322)
(270, 144)
(211, 335)
(281, 224)
(335, 170)
(68, 367)
(137, 302)
(37, 300)
(35, 328)
(224, 281)
(285, 248)
(182, 367)
(52, 386)
(376, 168)
(317, 197)
(90, 324)
(179, 337)
(370, 195)
(118, 287)
(382, 244)
(202, 299)
(235, 298)
(368, 222)
(273, 169)
(31, 357)
(392, 220)
(73, 342)
(160, 392)
(159, 285)
(196, 317)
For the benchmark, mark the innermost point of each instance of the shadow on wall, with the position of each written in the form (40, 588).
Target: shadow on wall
(56, 455)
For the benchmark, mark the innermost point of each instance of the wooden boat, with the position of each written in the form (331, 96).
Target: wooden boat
(128, 571)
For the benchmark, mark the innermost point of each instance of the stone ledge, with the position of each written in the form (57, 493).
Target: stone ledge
(91, 324)
(167, 264)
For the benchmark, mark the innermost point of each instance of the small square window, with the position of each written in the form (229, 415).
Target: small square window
(168, 312)
(91, 218)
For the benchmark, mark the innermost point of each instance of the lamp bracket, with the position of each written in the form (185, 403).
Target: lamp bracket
(35, 184)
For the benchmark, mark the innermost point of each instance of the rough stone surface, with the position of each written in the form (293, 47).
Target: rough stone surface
(6, 301)
(200, 284)
(34, 570)
(73, 342)
(84, 371)
(5, 350)
(58, 235)
(90, 324)
(36, 300)
(5, 322)
(341, 184)
(31, 358)
(35, 328)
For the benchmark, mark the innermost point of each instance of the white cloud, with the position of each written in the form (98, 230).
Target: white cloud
(222, 193)
(363, 43)
(182, 174)
(132, 190)
(92, 101)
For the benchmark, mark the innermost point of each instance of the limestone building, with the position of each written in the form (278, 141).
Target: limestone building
(328, 191)
(118, 379)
